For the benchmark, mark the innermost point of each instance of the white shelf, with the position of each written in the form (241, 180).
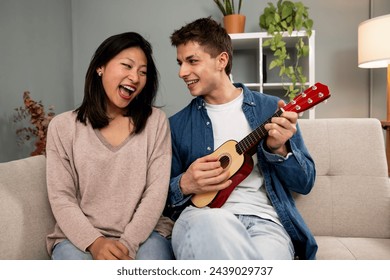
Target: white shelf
(250, 68)
(279, 85)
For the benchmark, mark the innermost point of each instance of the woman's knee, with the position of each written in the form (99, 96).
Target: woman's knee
(156, 247)
(65, 250)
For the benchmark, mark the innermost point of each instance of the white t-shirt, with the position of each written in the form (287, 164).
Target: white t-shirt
(249, 197)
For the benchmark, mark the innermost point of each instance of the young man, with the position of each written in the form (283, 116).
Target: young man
(259, 220)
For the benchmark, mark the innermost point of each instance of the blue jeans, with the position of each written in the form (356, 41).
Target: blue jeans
(156, 247)
(215, 233)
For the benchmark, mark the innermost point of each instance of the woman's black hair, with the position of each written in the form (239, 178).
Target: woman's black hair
(93, 107)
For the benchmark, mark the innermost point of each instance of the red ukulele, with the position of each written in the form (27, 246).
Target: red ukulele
(237, 156)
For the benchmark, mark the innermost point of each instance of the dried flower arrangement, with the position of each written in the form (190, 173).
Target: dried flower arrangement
(35, 112)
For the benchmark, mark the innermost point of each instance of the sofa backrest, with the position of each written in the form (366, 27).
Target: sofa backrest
(351, 196)
(25, 214)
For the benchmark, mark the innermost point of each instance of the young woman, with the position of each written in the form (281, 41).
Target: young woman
(108, 162)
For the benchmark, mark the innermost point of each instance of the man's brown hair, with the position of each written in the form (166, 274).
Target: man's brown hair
(207, 33)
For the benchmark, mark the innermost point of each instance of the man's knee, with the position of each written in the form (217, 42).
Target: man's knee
(208, 217)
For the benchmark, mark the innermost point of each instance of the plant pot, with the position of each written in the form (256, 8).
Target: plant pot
(234, 23)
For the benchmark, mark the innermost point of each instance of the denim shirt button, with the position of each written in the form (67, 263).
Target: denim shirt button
(208, 149)
(208, 123)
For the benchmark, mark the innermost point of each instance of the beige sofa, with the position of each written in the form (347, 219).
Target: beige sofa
(25, 214)
(348, 210)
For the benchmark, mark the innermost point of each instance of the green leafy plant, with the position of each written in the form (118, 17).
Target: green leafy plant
(227, 7)
(287, 16)
(39, 121)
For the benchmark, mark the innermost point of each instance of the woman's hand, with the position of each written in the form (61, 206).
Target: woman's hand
(107, 249)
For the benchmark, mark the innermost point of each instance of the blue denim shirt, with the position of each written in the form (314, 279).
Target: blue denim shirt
(192, 137)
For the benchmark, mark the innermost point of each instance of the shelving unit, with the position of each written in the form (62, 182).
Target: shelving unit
(251, 59)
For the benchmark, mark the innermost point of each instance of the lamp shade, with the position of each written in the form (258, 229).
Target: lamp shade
(374, 42)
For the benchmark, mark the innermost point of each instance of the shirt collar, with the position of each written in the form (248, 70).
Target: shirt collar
(248, 97)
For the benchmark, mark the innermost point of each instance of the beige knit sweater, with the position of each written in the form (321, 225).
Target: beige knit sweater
(96, 189)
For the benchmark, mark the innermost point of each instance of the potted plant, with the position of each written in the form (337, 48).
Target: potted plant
(233, 21)
(279, 21)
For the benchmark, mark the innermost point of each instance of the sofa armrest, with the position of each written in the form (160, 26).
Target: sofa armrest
(25, 213)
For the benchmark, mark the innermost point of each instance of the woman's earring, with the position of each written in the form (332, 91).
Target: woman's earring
(100, 73)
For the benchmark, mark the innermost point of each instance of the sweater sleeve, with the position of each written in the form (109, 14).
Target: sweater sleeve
(62, 184)
(151, 205)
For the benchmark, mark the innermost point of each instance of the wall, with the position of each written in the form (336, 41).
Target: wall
(378, 100)
(155, 20)
(35, 55)
(335, 22)
(48, 46)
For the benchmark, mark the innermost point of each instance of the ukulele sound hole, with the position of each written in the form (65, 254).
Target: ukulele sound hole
(225, 161)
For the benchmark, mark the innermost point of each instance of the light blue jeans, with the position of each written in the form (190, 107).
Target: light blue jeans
(217, 234)
(156, 247)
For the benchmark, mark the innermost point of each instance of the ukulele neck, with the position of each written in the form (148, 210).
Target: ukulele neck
(248, 144)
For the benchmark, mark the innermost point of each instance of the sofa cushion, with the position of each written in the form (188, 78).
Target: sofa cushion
(351, 196)
(352, 248)
(25, 214)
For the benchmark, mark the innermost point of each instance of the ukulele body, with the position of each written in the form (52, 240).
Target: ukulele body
(239, 167)
(237, 156)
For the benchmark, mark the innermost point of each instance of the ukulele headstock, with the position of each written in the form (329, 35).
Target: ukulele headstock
(309, 98)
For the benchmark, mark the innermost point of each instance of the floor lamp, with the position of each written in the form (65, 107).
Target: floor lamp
(374, 52)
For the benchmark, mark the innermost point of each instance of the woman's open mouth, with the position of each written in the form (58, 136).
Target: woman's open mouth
(126, 91)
